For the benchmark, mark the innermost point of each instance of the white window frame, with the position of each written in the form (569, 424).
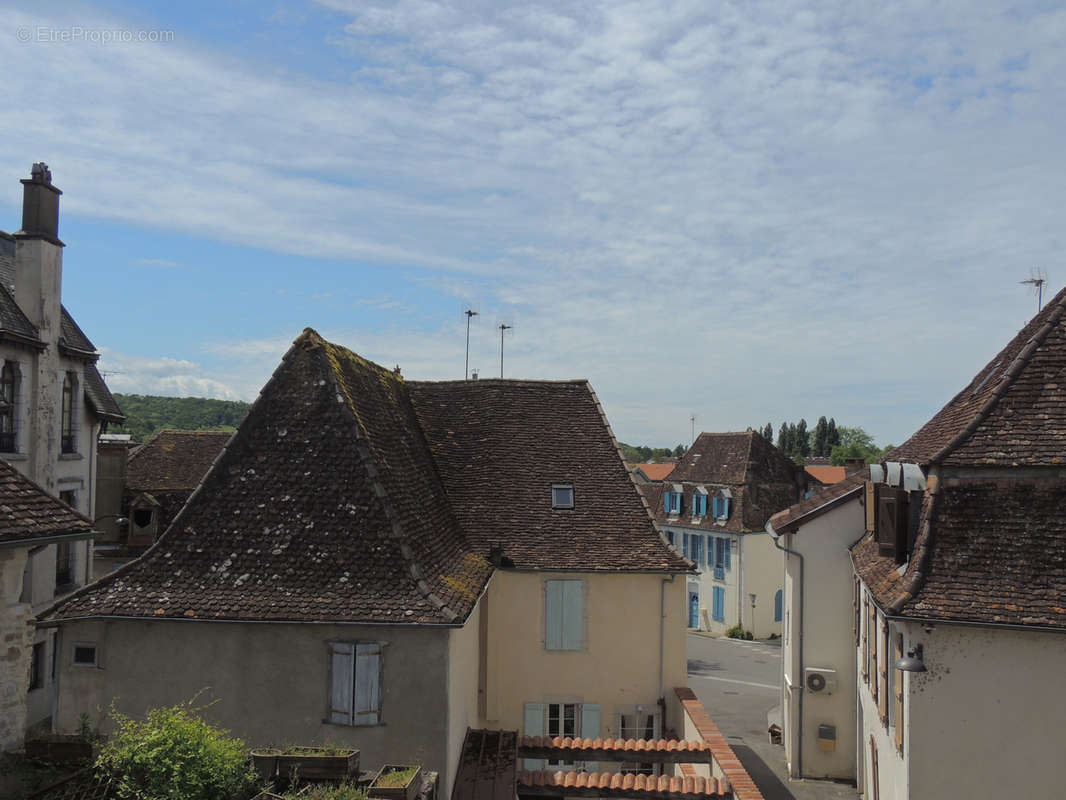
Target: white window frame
(641, 715)
(356, 676)
(562, 487)
(587, 725)
(564, 640)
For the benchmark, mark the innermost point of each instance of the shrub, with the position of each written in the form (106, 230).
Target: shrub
(174, 755)
(738, 632)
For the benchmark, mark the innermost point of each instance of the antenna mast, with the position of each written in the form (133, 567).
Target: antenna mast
(692, 419)
(503, 327)
(1037, 280)
(466, 368)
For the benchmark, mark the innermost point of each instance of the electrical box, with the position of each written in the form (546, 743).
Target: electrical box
(827, 738)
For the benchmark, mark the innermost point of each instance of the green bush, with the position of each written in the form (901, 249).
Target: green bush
(174, 755)
(738, 632)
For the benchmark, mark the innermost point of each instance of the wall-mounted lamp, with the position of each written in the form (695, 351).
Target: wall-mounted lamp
(912, 662)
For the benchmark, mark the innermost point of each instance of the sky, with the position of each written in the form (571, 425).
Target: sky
(749, 212)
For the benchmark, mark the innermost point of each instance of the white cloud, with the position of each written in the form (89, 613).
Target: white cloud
(750, 211)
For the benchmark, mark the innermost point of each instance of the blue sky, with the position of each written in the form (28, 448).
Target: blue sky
(747, 211)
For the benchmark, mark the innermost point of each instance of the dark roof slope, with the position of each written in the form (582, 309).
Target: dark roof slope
(830, 497)
(174, 460)
(322, 507)
(1014, 410)
(990, 550)
(28, 512)
(733, 458)
(72, 338)
(100, 397)
(500, 445)
(13, 323)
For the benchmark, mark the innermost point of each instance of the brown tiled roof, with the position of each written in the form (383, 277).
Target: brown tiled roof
(830, 497)
(499, 446)
(655, 472)
(988, 550)
(174, 460)
(1014, 410)
(100, 398)
(614, 784)
(350, 495)
(324, 506)
(13, 323)
(72, 338)
(733, 458)
(751, 506)
(28, 512)
(827, 474)
(566, 748)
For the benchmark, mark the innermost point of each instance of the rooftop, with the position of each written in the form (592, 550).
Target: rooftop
(29, 513)
(173, 460)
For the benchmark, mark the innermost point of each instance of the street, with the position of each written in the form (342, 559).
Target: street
(738, 683)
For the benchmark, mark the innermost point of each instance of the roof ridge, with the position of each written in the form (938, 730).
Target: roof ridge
(366, 458)
(1009, 375)
(508, 381)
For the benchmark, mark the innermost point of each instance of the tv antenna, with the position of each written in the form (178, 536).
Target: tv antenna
(466, 367)
(1037, 279)
(504, 327)
(692, 420)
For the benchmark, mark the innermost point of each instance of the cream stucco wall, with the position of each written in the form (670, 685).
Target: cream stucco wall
(619, 665)
(762, 576)
(463, 680)
(16, 636)
(828, 642)
(990, 697)
(271, 681)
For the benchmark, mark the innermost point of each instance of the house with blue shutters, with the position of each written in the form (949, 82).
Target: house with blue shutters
(713, 508)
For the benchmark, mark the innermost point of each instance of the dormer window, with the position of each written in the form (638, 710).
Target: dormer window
(672, 499)
(720, 506)
(699, 502)
(562, 495)
(8, 406)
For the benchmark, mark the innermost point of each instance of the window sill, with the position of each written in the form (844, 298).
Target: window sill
(14, 456)
(357, 727)
(71, 456)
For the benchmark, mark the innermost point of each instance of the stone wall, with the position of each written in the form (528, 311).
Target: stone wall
(16, 639)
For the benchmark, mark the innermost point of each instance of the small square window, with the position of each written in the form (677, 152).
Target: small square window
(37, 666)
(562, 495)
(85, 655)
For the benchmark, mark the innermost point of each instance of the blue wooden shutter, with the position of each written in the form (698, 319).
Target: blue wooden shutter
(533, 725)
(725, 507)
(340, 693)
(777, 606)
(666, 502)
(719, 604)
(553, 615)
(367, 683)
(590, 728)
(714, 505)
(726, 548)
(573, 612)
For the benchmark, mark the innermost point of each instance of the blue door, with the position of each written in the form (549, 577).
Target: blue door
(693, 609)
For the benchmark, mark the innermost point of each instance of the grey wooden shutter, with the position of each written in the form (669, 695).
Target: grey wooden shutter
(590, 729)
(367, 684)
(553, 615)
(573, 613)
(533, 725)
(342, 663)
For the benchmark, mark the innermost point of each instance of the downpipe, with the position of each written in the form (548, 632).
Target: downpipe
(799, 646)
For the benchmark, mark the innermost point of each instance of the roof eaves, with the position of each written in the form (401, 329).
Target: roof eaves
(791, 525)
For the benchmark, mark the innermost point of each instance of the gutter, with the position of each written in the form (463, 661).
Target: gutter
(55, 623)
(52, 539)
(799, 625)
(662, 648)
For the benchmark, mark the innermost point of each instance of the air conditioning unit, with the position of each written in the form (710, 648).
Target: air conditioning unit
(820, 680)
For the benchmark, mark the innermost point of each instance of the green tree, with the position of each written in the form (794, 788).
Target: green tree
(819, 438)
(832, 436)
(801, 444)
(782, 437)
(850, 436)
(679, 451)
(768, 432)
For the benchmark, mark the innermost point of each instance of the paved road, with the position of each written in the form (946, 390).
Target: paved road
(738, 683)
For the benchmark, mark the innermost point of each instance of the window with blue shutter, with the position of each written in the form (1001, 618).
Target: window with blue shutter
(533, 725)
(355, 683)
(725, 507)
(777, 606)
(714, 506)
(564, 615)
(666, 502)
(726, 548)
(718, 604)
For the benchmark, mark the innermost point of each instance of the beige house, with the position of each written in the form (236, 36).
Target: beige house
(713, 507)
(385, 563)
(53, 405)
(957, 612)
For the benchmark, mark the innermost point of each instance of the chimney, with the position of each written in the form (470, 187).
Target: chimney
(40, 205)
(853, 465)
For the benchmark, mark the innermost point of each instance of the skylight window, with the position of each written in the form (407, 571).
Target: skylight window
(562, 495)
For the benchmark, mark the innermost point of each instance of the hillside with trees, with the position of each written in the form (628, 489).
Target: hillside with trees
(147, 414)
(825, 440)
(649, 455)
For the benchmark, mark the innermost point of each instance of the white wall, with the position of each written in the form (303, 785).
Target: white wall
(763, 569)
(464, 661)
(828, 642)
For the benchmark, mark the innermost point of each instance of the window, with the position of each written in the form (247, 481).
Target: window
(142, 517)
(570, 718)
(564, 611)
(68, 432)
(721, 505)
(778, 597)
(85, 655)
(355, 683)
(858, 612)
(692, 547)
(70, 497)
(638, 724)
(699, 502)
(37, 666)
(882, 689)
(871, 636)
(64, 566)
(670, 537)
(718, 604)
(562, 495)
(865, 660)
(722, 556)
(898, 692)
(8, 407)
(672, 500)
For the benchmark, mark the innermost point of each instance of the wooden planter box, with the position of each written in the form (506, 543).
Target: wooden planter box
(59, 750)
(312, 763)
(408, 792)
